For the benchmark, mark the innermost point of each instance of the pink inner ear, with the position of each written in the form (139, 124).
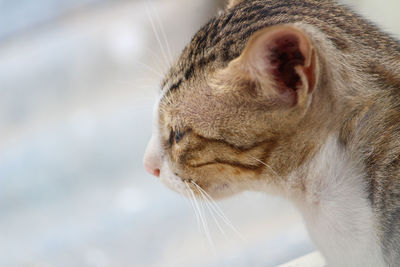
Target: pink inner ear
(284, 54)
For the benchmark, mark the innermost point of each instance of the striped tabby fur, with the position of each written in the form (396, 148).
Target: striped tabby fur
(221, 126)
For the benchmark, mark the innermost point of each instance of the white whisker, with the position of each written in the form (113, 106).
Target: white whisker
(265, 164)
(161, 27)
(196, 205)
(164, 36)
(204, 224)
(210, 241)
(156, 34)
(212, 211)
(157, 60)
(218, 211)
(152, 70)
(192, 204)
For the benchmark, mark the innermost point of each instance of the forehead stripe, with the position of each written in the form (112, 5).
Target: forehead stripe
(189, 72)
(175, 85)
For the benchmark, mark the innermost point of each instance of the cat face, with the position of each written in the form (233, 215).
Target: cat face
(231, 127)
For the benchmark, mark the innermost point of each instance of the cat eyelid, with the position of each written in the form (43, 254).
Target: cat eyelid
(175, 137)
(178, 136)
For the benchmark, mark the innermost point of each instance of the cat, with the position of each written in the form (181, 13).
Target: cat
(299, 98)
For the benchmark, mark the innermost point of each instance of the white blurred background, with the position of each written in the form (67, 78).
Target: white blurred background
(77, 83)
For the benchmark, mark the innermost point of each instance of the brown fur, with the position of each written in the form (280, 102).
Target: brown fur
(233, 124)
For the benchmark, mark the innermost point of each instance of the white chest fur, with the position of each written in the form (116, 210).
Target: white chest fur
(336, 210)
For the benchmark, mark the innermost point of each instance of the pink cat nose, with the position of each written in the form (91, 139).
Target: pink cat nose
(152, 162)
(152, 170)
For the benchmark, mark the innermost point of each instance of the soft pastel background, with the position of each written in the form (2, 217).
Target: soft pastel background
(77, 82)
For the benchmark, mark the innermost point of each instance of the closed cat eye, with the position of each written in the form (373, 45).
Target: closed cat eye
(175, 136)
(178, 136)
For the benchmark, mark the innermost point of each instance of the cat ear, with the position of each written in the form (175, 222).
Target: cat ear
(233, 3)
(281, 59)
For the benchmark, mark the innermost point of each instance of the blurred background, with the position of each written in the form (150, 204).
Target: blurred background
(78, 79)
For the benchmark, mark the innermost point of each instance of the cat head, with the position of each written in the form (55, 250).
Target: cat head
(237, 112)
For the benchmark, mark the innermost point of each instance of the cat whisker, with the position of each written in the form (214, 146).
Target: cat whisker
(156, 34)
(218, 210)
(203, 222)
(152, 70)
(210, 241)
(161, 27)
(196, 206)
(164, 52)
(187, 188)
(212, 212)
(265, 164)
(157, 60)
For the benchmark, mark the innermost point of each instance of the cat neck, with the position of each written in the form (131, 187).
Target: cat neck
(330, 192)
(330, 173)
